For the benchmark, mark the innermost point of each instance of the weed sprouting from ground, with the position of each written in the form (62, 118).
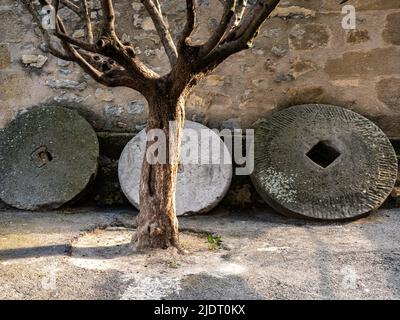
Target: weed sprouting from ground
(214, 241)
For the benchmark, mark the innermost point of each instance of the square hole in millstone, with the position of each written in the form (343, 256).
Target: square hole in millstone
(323, 154)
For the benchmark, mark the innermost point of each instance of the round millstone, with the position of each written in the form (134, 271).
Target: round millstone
(200, 186)
(48, 156)
(323, 162)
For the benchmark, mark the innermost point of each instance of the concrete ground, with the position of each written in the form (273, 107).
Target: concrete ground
(85, 254)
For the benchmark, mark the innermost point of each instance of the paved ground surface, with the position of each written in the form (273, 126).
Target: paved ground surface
(86, 254)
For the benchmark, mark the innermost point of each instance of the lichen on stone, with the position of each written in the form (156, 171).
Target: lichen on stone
(279, 185)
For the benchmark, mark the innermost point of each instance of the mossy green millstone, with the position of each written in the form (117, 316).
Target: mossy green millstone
(323, 162)
(48, 156)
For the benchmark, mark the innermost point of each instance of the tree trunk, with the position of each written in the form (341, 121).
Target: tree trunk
(157, 224)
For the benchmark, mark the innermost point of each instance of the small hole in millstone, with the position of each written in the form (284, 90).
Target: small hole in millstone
(41, 157)
(323, 154)
(45, 156)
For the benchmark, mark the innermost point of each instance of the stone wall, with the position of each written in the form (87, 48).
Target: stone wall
(303, 55)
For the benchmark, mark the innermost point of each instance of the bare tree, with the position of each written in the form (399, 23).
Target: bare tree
(113, 63)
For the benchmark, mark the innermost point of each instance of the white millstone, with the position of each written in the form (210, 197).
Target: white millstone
(200, 187)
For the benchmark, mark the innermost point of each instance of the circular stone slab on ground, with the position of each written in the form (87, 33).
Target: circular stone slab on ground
(323, 162)
(48, 155)
(200, 187)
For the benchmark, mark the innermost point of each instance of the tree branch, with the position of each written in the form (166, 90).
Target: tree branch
(215, 39)
(86, 18)
(83, 45)
(241, 6)
(73, 7)
(46, 35)
(153, 8)
(108, 18)
(84, 64)
(237, 42)
(113, 63)
(190, 22)
(112, 78)
(262, 10)
(254, 19)
(112, 66)
(157, 4)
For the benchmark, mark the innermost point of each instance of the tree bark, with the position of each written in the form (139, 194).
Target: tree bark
(157, 224)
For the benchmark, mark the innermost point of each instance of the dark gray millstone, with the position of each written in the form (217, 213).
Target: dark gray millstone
(323, 162)
(48, 156)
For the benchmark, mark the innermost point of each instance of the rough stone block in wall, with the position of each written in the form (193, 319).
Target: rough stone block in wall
(364, 5)
(388, 90)
(11, 27)
(357, 64)
(391, 33)
(5, 58)
(302, 55)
